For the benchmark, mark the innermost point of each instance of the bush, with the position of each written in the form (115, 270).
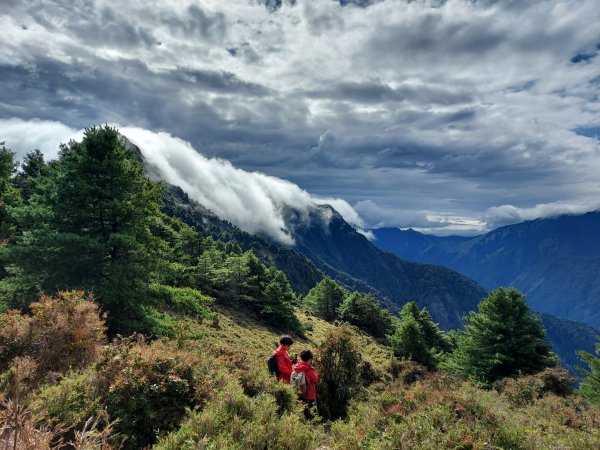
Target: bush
(146, 389)
(234, 420)
(183, 300)
(256, 381)
(338, 365)
(61, 333)
(70, 402)
(525, 390)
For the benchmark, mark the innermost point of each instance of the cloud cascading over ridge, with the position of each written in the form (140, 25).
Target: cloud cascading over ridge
(434, 110)
(253, 201)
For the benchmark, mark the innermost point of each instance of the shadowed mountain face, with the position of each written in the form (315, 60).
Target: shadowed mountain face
(567, 337)
(339, 250)
(555, 262)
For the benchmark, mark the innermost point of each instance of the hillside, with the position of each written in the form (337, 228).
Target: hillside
(217, 368)
(335, 246)
(338, 250)
(301, 272)
(554, 261)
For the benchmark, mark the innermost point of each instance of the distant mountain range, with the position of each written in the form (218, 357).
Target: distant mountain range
(555, 261)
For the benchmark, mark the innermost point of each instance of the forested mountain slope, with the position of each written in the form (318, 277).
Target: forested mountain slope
(335, 246)
(554, 261)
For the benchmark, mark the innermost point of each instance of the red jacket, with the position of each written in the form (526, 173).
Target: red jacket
(285, 364)
(311, 379)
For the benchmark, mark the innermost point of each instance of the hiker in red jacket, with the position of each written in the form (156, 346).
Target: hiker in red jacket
(311, 376)
(283, 359)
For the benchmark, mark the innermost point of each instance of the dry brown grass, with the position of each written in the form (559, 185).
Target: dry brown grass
(62, 333)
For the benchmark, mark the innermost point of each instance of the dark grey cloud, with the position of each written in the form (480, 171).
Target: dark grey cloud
(439, 108)
(377, 92)
(275, 5)
(361, 3)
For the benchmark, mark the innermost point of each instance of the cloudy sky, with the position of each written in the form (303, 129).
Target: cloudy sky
(447, 116)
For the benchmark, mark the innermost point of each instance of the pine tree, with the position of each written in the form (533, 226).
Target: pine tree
(409, 342)
(324, 299)
(9, 199)
(363, 311)
(502, 339)
(95, 233)
(418, 338)
(590, 385)
(276, 303)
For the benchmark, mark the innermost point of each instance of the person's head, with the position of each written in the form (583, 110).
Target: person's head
(306, 355)
(286, 341)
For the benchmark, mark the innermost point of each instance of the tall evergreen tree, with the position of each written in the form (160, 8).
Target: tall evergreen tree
(363, 311)
(502, 339)
(97, 234)
(9, 198)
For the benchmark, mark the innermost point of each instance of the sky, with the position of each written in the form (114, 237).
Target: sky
(449, 117)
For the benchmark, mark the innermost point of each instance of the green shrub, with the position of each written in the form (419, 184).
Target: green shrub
(338, 365)
(183, 300)
(234, 420)
(72, 401)
(146, 389)
(256, 381)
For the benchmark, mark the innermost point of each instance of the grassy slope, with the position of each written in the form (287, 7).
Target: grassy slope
(438, 411)
(239, 332)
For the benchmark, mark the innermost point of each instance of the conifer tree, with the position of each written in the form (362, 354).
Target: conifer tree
(363, 311)
(324, 299)
(95, 233)
(418, 338)
(9, 198)
(502, 339)
(590, 385)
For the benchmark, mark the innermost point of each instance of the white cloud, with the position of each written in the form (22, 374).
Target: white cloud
(498, 216)
(24, 136)
(252, 200)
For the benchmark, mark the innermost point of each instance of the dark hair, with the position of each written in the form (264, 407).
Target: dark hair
(286, 340)
(305, 355)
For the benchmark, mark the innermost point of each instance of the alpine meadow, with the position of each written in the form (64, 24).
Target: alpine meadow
(299, 224)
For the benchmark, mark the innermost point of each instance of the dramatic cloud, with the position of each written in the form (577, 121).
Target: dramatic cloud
(253, 201)
(436, 111)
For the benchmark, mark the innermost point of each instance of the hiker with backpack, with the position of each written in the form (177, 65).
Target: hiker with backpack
(304, 378)
(280, 363)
